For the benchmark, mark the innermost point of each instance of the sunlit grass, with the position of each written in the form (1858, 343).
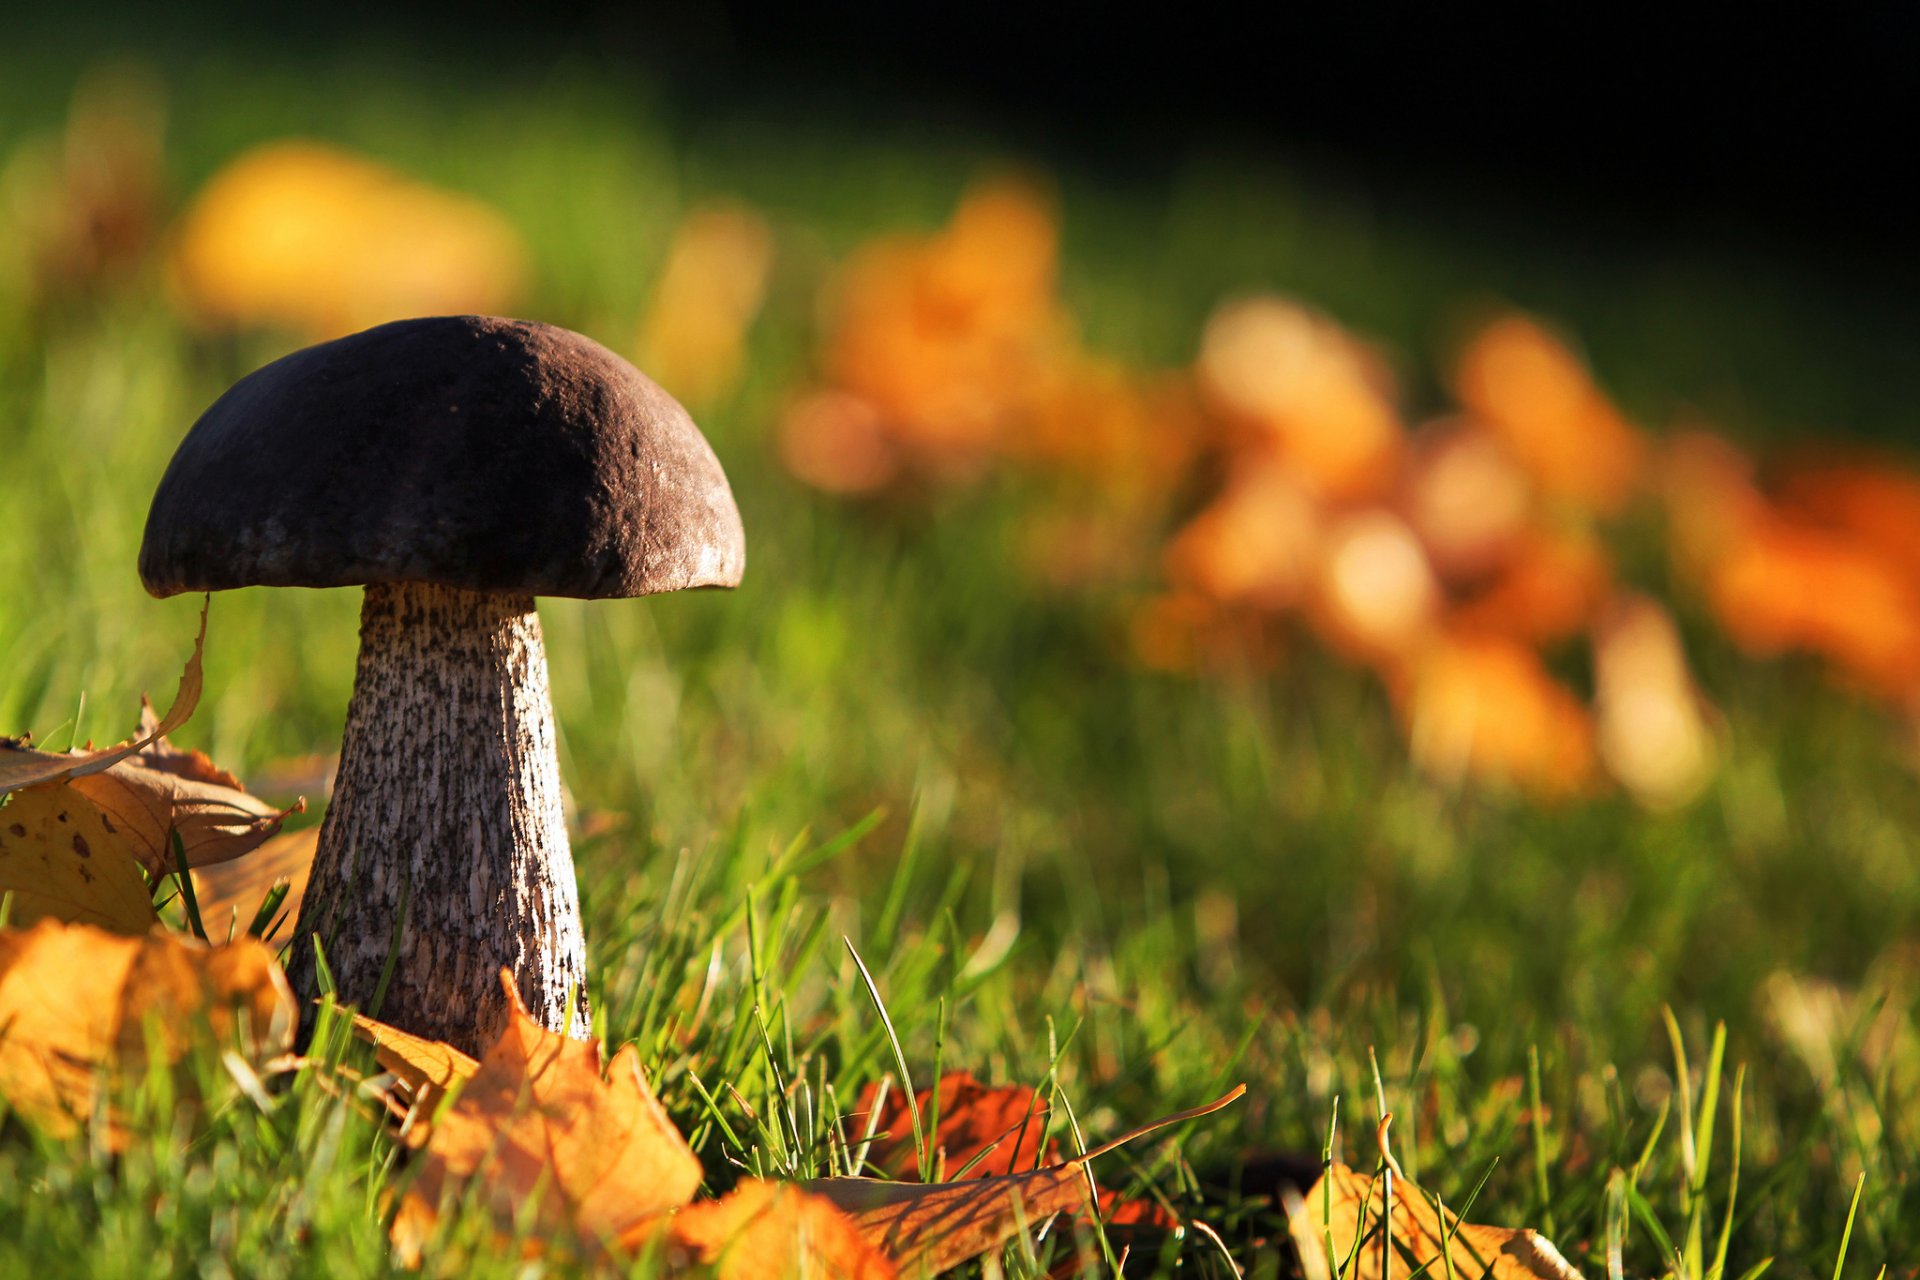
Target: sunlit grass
(1170, 885)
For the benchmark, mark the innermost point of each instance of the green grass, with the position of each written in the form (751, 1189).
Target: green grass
(1139, 887)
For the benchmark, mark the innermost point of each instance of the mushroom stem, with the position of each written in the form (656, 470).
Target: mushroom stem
(444, 846)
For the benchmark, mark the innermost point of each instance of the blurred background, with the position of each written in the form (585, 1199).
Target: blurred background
(1420, 508)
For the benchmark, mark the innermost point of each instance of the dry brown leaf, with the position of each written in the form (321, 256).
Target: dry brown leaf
(1421, 1235)
(538, 1120)
(63, 859)
(929, 1227)
(80, 1005)
(764, 1231)
(161, 789)
(230, 893)
(429, 1067)
(22, 766)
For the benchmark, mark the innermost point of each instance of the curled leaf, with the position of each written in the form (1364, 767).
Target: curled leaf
(1344, 1211)
(22, 766)
(428, 1067)
(151, 800)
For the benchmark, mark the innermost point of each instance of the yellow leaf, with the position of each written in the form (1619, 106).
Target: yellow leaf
(1420, 1235)
(429, 1067)
(324, 241)
(705, 300)
(21, 766)
(62, 859)
(537, 1120)
(230, 893)
(80, 1006)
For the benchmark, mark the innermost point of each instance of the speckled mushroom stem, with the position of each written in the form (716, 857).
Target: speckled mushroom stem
(446, 811)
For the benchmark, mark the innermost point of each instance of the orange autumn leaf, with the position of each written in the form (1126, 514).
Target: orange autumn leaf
(1651, 722)
(1553, 586)
(322, 241)
(1000, 1127)
(1466, 497)
(1707, 488)
(764, 1231)
(1375, 597)
(693, 335)
(63, 859)
(83, 1007)
(1257, 543)
(1531, 389)
(1785, 585)
(943, 336)
(1485, 707)
(1306, 387)
(538, 1122)
(22, 766)
(837, 442)
(429, 1068)
(1130, 433)
(930, 1227)
(230, 893)
(1874, 500)
(1345, 1212)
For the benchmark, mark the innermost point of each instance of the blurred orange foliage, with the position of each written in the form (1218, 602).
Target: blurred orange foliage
(1485, 707)
(693, 336)
(944, 336)
(1536, 395)
(1286, 494)
(320, 241)
(1304, 387)
(82, 209)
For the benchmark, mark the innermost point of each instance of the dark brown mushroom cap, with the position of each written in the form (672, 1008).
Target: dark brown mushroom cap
(470, 451)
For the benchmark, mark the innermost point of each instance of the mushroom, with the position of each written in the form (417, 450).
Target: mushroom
(456, 467)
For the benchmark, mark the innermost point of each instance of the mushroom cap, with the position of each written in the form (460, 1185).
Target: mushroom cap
(471, 451)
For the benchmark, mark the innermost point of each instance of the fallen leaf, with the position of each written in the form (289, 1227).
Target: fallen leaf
(1537, 396)
(63, 859)
(1000, 1126)
(1346, 1208)
(1298, 382)
(537, 1119)
(22, 766)
(81, 1007)
(929, 1227)
(231, 892)
(765, 1231)
(429, 1067)
(160, 790)
(1486, 707)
